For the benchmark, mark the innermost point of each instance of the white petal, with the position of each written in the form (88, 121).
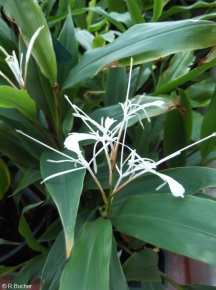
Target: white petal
(176, 188)
(109, 122)
(31, 43)
(72, 141)
(13, 63)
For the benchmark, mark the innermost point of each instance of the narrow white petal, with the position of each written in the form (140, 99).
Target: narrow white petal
(31, 43)
(45, 145)
(13, 63)
(176, 188)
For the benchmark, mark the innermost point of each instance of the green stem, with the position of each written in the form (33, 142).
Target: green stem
(141, 68)
(124, 248)
(58, 126)
(168, 279)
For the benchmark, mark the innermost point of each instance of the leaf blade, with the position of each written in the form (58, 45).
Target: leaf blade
(137, 42)
(94, 240)
(165, 221)
(65, 191)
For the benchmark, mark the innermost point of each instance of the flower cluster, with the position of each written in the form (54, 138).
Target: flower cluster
(16, 66)
(112, 135)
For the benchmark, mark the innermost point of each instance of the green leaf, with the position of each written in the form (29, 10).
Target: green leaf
(28, 23)
(117, 6)
(4, 270)
(135, 12)
(7, 38)
(157, 10)
(100, 11)
(200, 93)
(185, 78)
(93, 243)
(14, 119)
(89, 16)
(26, 232)
(137, 42)
(117, 277)
(178, 9)
(181, 122)
(65, 190)
(40, 90)
(153, 286)
(179, 66)
(172, 141)
(11, 147)
(51, 232)
(114, 93)
(49, 5)
(29, 273)
(29, 177)
(54, 265)
(98, 41)
(170, 223)
(68, 40)
(197, 123)
(208, 127)
(64, 5)
(4, 178)
(142, 266)
(18, 99)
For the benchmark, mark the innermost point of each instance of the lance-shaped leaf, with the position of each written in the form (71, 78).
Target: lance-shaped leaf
(53, 267)
(144, 42)
(4, 178)
(117, 277)
(18, 99)
(142, 266)
(29, 273)
(26, 232)
(209, 125)
(88, 265)
(65, 191)
(29, 17)
(185, 226)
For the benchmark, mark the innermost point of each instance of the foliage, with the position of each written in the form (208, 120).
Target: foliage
(89, 224)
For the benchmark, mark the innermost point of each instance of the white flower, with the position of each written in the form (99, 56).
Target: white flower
(16, 66)
(137, 166)
(83, 164)
(134, 166)
(98, 132)
(111, 137)
(72, 141)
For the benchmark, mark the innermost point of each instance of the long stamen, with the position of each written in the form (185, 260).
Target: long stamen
(45, 145)
(129, 79)
(8, 80)
(185, 148)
